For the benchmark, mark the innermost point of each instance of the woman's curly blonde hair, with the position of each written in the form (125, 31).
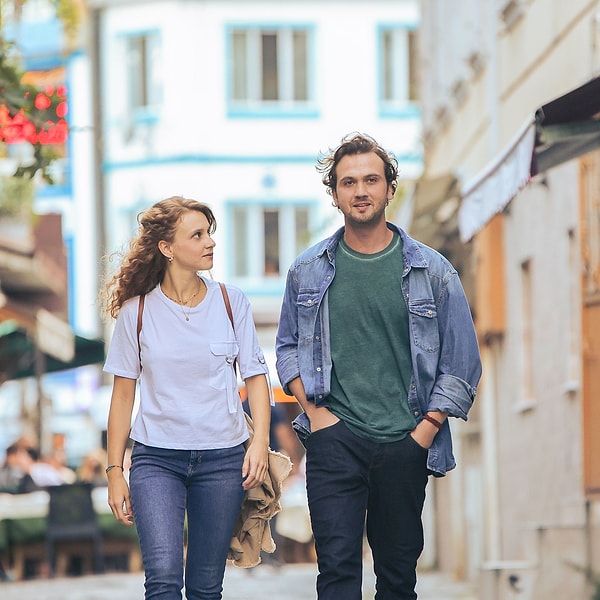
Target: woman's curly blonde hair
(143, 267)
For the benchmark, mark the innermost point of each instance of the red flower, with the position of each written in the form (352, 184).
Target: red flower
(42, 102)
(29, 133)
(62, 109)
(12, 134)
(54, 134)
(19, 118)
(18, 128)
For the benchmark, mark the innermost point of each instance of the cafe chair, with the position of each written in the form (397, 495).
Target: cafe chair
(72, 528)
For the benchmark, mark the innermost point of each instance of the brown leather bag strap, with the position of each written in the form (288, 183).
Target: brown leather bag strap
(227, 303)
(139, 324)
(229, 313)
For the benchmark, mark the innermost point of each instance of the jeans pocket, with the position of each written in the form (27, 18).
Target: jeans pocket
(417, 445)
(301, 425)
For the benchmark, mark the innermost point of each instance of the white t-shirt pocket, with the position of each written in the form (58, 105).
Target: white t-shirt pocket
(222, 370)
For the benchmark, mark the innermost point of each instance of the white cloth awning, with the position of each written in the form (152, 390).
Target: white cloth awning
(560, 130)
(491, 190)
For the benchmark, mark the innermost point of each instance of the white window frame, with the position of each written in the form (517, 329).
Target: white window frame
(397, 75)
(151, 86)
(253, 100)
(254, 250)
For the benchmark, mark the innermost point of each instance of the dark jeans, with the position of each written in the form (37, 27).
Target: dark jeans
(348, 477)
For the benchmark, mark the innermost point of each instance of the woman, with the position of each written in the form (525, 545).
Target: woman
(188, 460)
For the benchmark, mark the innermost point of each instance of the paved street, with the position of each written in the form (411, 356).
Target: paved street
(289, 582)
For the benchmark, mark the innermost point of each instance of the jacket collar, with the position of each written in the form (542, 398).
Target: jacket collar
(413, 255)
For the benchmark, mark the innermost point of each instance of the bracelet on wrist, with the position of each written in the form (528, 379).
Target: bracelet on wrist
(111, 467)
(433, 421)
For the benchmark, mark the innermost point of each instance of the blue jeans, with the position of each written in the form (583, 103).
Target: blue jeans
(349, 478)
(166, 487)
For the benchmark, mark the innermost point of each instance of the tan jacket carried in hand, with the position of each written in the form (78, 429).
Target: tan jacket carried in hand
(253, 531)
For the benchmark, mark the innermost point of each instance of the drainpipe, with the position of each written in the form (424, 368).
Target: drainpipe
(490, 411)
(489, 418)
(97, 117)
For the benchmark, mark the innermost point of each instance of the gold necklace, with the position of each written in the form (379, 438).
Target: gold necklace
(183, 303)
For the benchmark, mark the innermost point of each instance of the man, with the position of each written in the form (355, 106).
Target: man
(377, 344)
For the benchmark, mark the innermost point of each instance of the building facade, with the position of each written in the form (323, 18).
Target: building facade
(511, 190)
(231, 102)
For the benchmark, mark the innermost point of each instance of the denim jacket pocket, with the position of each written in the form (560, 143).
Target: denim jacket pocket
(424, 324)
(308, 304)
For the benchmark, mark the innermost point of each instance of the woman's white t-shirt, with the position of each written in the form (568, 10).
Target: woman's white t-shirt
(188, 389)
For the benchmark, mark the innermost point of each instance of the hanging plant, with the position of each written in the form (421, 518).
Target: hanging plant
(36, 117)
(31, 115)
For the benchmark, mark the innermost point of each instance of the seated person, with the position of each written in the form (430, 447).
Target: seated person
(15, 473)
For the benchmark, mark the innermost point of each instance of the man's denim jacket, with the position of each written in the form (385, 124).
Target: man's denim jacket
(445, 354)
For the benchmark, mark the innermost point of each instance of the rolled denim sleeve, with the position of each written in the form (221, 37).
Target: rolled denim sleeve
(459, 367)
(452, 395)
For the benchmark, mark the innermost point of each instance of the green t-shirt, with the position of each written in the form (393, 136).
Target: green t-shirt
(370, 346)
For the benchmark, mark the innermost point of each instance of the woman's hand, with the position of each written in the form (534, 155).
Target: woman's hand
(118, 498)
(119, 424)
(256, 461)
(256, 465)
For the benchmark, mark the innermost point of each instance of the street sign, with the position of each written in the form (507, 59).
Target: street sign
(54, 336)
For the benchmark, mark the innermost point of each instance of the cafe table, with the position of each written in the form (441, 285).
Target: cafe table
(23, 530)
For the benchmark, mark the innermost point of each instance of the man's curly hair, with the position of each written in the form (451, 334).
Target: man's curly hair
(356, 143)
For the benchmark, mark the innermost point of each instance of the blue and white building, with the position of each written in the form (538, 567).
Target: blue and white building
(230, 102)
